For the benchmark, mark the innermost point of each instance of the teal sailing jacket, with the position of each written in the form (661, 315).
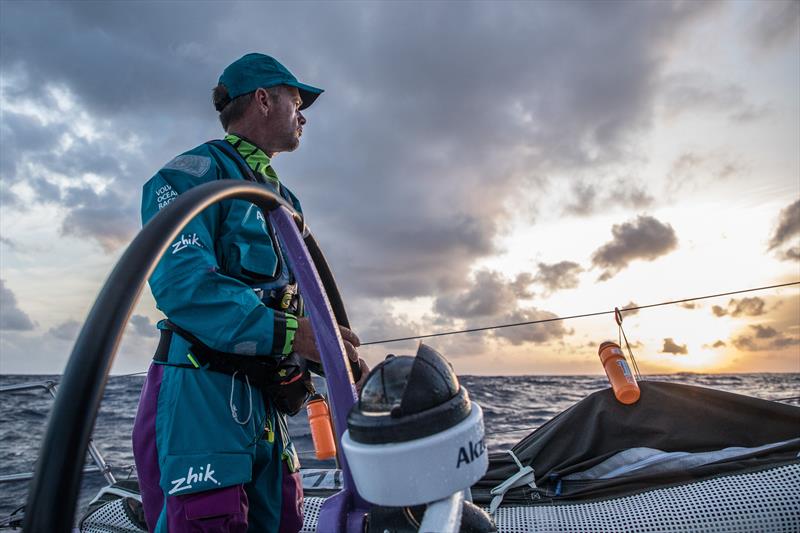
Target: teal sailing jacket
(212, 279)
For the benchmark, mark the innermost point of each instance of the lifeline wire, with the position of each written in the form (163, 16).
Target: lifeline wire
(500, 326)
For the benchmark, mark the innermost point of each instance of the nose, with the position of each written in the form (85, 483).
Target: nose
(301, 118)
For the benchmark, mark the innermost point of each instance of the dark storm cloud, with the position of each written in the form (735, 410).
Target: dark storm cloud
(670, 346)
(561, 275)
(787, 228)
(20, 133)
(116, 57)
(431, 111)
(66, 331)
(490, 295)
(11, 316)
(429, 124)
(775, 23)
(644, 238)
(143, 327)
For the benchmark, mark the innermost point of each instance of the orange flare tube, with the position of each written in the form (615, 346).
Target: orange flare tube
(319, 419)
(619, 373)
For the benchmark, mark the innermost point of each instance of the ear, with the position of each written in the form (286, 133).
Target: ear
(262, 98)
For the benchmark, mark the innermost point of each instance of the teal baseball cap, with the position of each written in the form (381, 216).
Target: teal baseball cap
(252, 71)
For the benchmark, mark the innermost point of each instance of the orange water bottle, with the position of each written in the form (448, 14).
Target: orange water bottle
(619, 373)
(319, 419)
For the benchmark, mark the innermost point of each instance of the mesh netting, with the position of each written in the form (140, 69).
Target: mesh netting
(762, 501)
(112, 517)
(755, 502)
(768, 500)
(311, 507)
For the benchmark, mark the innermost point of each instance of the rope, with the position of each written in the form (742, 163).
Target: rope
(618, 318)
(555, 319)
(584, 315)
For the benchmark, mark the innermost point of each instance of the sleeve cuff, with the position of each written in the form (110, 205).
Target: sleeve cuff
(283, 333)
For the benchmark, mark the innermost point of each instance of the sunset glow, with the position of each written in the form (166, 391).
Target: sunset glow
(498, 163)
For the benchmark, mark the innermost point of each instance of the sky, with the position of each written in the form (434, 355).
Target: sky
(469, 164)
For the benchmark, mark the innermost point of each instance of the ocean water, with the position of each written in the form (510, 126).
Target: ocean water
(513, 406)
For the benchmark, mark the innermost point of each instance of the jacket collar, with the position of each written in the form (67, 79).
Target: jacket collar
(254, 156)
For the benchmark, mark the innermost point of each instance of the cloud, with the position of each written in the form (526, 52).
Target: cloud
(66, 331)
(747, 306)
(535, 333)
(692, 169)
(383, 174)
(496, 299)
(104, 218)
(753, 306)
(628, 309)
(584, 199)
(12, 245)
(693, 92)
(764, 332)
(718, 344)
(75, 162)
(587, 200)
(764, 338)
(787, 228)
(671, 347)
(143, 327)
(745, 343)
(11, 316)
(406, 185)
(775, 23)
(490, 295)
(644, 238)
(556, 276)
(688, 305)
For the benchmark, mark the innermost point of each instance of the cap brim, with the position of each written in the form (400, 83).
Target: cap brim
(308, 93)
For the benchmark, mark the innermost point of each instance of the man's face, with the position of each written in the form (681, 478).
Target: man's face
(284, 120)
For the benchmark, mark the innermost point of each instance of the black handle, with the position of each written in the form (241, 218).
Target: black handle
(332, 290)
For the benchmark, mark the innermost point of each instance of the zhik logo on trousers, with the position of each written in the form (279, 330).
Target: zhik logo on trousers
(186, 482)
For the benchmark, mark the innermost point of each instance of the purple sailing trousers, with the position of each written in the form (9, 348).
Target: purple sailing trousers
(223, 510)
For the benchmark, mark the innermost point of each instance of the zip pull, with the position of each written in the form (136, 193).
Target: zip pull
(270, 431)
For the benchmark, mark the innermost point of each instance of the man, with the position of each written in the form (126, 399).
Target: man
(211, 452)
